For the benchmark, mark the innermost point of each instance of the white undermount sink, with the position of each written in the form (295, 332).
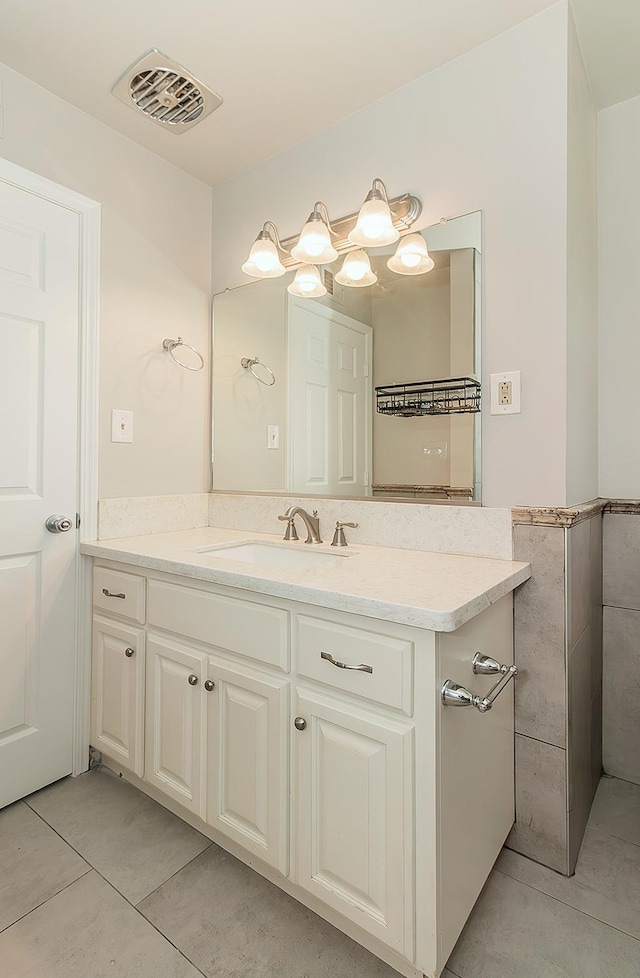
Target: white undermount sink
(272, 555)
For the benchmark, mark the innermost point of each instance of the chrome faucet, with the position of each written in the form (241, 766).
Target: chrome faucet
(312, 524)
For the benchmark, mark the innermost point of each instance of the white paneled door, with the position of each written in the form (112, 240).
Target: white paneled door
(39, 315)
(330, 401)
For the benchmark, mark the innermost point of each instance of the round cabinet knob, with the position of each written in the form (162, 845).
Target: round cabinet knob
(58, 524)
(129, 652)
(192, 680)
(300, 723)
(209, 685)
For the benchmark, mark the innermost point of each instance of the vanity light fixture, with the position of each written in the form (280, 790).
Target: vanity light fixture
(380, 221)
(314, 245)
(264, 260)
(307, 283)
(356, 270)
(374, 227)
(411, 256)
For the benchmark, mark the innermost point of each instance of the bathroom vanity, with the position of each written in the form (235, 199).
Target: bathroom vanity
(293, 712)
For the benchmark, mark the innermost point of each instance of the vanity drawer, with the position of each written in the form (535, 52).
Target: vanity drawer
(389, 659)
(256, 630)
(120, 593)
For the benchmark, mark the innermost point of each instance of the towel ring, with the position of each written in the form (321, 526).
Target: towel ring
(250, 364)
(171, 345)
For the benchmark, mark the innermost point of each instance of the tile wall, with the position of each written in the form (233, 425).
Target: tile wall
(621, 690)
(558, 643)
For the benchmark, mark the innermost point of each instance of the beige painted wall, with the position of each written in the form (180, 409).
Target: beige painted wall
(488, 131)
(156, 245)
(619, 220)
(582, 283)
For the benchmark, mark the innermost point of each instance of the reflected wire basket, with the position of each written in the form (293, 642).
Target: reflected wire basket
(456, 395)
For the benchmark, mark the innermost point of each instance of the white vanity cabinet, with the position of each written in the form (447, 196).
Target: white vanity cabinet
(315, 745)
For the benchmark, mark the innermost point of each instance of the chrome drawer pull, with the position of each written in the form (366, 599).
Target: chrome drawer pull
(110, 594)
(363, 667)
(454, 695)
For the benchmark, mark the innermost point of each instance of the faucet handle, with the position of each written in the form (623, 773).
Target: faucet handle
(339, 539)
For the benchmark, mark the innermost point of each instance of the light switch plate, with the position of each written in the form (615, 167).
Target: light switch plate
(121, 425)
(498, 405)
(273, 436)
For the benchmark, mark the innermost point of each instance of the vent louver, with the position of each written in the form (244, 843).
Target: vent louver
(166, 93)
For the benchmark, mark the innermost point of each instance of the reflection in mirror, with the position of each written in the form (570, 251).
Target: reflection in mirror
(321, 428)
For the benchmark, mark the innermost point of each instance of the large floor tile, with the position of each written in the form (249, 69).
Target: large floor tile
(231, 923)
(616, 809)
(35, 863)
(133, 842)
(88, 931)
(606, 884)
(516, 931)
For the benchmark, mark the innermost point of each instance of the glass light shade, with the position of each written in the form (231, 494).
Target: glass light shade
(356, 270)
(411, 257)
(374, 226)
(314, 244)
(307, 283)
(264, 260)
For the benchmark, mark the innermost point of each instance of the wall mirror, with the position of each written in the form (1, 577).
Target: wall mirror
(366, 392)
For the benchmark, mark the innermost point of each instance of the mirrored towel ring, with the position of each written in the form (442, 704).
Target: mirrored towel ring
(171, 345)
(250, 364)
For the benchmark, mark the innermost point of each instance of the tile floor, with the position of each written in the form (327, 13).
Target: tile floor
(97, 880)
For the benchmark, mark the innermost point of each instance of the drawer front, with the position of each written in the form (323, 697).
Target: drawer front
(120, 593)
(254, 630)
(388, 678)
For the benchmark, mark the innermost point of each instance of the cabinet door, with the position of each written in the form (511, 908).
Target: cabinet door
(354, 816)
(247, 760)
(174, 728)
(117, 692)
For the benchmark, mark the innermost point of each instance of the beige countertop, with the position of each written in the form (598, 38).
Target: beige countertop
(428, 590)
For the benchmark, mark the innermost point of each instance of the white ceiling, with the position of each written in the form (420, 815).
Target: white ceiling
(285, 69)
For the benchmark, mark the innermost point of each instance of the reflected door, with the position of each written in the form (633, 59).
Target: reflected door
(330, 401)
(39, 299)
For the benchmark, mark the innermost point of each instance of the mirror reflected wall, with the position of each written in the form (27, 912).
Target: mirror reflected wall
(321, 428)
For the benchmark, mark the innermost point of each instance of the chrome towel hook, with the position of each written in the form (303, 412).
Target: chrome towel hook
(250, 364)
(171, 345)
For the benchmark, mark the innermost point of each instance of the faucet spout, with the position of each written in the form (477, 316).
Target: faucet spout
(312, 523)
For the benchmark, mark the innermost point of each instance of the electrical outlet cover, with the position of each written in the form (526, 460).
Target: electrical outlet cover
(497, 393)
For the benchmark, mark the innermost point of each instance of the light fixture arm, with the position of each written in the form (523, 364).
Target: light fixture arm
(378, 187)
(269, 230)
(320, 208)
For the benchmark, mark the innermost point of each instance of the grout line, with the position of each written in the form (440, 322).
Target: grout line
(571, 906)
(92, 868)
(89, 869)
(173, 875)
(537, 740)
(149, 922)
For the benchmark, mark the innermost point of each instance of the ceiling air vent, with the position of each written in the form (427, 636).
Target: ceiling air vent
(166, 93)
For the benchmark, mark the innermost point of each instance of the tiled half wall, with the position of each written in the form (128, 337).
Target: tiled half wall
(558, 647)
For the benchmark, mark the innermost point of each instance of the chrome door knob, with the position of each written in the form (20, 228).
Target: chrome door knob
(58, 524)
(209, 685)
(192, 680)
(300, 723)
(129, 652)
